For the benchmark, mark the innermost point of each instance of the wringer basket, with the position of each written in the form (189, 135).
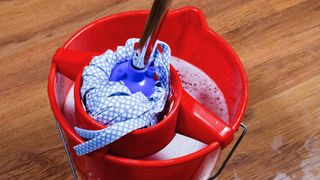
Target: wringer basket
(190, 39)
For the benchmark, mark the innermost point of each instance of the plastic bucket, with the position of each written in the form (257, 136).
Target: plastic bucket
(190, 39)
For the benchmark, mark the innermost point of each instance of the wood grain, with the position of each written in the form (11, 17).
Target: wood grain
(277, 40)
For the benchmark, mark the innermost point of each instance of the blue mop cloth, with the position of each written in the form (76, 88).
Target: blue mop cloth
(111, 103)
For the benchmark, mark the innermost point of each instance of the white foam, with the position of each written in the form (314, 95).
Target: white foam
(186, 145)
(201, 87)
(282, 176)
(277, 144)
(311, 165)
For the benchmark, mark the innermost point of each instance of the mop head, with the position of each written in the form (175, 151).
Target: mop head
(111, 103)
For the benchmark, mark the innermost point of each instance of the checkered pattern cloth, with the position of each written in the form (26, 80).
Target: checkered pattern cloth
(112, 103)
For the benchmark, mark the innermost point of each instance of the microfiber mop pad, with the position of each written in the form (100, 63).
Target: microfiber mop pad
(111, 103)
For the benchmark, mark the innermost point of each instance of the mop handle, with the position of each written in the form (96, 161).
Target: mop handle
(157, 14)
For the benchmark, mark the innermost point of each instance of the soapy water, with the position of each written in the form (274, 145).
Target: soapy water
(202, 88)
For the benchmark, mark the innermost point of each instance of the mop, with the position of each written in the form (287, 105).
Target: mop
(127, 89)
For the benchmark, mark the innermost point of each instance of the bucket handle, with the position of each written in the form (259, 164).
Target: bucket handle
(244, 132)
(65, 145)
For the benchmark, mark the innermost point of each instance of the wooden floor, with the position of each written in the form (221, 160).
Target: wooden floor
(277, 40)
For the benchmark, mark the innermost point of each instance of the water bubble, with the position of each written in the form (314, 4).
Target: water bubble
(201, 87)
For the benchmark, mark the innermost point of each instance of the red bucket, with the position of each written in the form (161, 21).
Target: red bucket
(189, 37)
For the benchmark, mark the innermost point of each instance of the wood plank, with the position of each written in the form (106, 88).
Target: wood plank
(284, 135)
(277, 40)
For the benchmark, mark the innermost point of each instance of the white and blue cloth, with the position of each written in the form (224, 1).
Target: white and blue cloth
(111, 103)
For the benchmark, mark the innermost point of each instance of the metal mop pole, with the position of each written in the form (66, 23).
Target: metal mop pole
(150, 34)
